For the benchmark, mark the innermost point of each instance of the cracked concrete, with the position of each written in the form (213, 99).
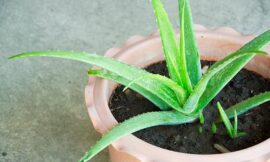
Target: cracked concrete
(42, 113)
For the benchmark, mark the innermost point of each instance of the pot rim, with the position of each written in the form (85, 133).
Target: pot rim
(131, 144)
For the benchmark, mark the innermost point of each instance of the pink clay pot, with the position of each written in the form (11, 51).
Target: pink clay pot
(140, 51)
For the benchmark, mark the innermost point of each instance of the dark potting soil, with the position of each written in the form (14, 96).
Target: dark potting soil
(187, 138)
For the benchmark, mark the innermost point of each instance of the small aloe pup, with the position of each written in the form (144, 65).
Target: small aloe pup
(181, 97)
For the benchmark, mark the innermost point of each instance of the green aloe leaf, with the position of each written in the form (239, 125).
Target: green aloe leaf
(182, 59)
(134, 124)
(191, 50)
(201, 117)
(169, 42)
(225, 75)
(150, 81)
(225, 120)
(192, 102)
(214, 128)
(247, 104)
(235, 125)
(111, 76)
(123, 70)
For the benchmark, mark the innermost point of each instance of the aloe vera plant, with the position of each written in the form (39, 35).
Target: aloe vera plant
(181, 97)
(232, 130)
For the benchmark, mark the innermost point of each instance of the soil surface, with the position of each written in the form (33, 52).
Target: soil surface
(187, 138)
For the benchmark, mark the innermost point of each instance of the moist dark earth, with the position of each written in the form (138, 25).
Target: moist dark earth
(187, 138)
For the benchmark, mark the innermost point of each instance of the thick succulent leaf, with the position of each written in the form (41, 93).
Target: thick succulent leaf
(225, 75)
(192, 102)
(111, 76)
(247, 104)
(121, 69)
(151, 81)
(182, 59)
(181, 93)
(191, 50)
(169, 42)
(225, 120)
(134, 124)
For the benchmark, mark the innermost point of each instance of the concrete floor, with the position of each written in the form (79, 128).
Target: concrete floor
(42, 112)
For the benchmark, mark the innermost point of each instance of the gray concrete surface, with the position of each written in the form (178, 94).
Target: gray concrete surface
(42, 113)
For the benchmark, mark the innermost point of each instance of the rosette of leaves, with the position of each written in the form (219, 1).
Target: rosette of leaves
(181, 97)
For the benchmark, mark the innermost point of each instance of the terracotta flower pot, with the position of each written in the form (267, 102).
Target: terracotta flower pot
(141, 51)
